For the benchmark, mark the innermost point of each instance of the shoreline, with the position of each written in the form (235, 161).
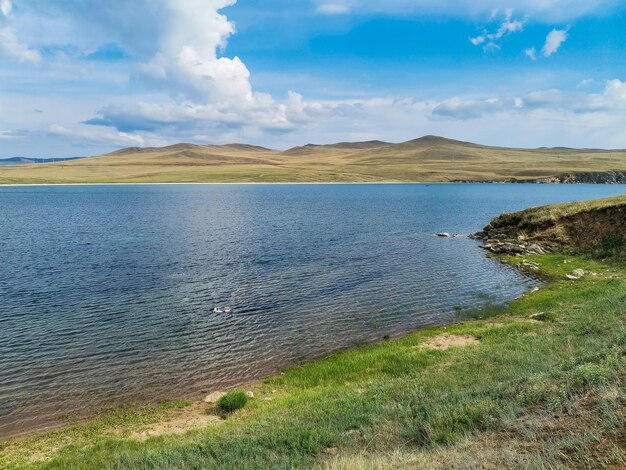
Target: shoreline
(316, 183)
(541, 378)
(150, 423)
(229, 184)
(89, 416)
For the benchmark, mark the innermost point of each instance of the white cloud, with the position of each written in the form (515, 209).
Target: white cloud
(506, 27)
(537, 10)
(333, 9)
(9, 45)
(531, 53)
(463, 109)
(612, 99)
(5, 7)
(554, 40)
(84, 134)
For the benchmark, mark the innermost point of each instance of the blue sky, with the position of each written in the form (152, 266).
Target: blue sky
(81, 78)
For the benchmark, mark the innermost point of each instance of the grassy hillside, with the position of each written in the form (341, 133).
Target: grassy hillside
(425, 159)
(540, 383)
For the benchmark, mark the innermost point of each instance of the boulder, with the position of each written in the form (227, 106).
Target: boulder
(443, 235)
(214, 397)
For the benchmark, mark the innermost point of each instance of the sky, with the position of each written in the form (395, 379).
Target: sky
(81, 78)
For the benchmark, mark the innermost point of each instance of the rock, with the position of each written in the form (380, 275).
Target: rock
(214, 397)
(509, 247)
(535, 249)
(576, 274)
(250, 394)
(529, 266)
(443, 235)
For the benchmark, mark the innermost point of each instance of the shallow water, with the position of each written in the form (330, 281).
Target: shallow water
(106, 292)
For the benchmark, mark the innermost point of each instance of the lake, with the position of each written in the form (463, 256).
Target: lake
(107, 292)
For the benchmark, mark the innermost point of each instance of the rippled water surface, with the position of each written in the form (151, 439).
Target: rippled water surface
(106, 292)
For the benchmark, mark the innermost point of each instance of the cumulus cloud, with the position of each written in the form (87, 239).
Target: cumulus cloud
(207, 90)
(554, 40)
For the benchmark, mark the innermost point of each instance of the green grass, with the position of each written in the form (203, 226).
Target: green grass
(233, 401)
(399, 402)
(541, 216)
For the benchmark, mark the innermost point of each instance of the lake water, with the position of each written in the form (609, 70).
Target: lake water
(106, 292)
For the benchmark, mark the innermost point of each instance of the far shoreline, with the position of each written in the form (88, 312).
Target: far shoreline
(313, 183)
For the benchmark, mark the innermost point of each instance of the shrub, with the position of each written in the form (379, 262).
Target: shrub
(232, 401)
(612, 242)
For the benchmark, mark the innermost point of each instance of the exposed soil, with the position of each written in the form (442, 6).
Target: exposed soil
(182, 420)
(582, 231)
(446, 341)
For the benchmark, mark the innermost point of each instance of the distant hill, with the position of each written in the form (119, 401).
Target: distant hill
(425, 159)
(27, 161)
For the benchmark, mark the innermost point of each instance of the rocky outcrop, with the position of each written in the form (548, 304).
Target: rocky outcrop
(593, 226)
(595, 177)
(503, 246)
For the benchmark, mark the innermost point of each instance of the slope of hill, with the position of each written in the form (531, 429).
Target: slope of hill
(427, 159)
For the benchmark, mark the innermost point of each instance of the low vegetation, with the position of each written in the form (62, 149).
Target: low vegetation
(232, 401)
(428, 159)
(539, 383)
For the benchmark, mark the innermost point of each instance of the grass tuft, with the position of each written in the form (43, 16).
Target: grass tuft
(232, 401)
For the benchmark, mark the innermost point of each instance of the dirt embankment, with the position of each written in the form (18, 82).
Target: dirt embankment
(572, 227)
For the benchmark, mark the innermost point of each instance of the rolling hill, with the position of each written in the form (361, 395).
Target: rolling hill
(427, 159)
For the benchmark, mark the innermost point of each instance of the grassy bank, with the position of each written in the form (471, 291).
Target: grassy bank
(538, 383)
